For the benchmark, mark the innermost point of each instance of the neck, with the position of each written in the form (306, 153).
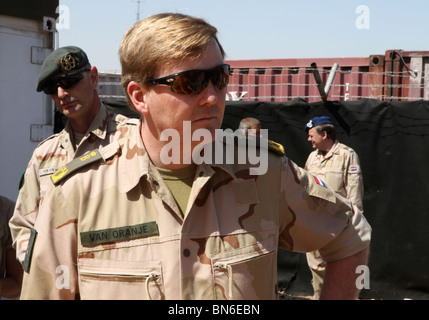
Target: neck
(327, 147)
(165, 154)
(82, 123)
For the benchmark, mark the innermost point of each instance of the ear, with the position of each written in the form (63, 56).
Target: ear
(93, 74)
(136, 92)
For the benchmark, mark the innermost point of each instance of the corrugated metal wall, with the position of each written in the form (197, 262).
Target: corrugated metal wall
(395, 75)
(109, 86)
(287, 79)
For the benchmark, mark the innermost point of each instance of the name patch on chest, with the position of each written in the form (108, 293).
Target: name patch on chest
(116, 234)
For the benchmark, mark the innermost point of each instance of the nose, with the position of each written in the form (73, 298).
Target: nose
(61, 92)
(210, 95)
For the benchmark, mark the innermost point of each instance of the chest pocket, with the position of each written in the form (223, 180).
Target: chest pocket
(334, 178)
(246, 273)
(44, 178)
(334, 174)
(120, 280)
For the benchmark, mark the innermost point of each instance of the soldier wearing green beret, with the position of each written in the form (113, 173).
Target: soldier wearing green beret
(68, 77)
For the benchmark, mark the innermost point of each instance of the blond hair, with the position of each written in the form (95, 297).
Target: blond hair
(162, 39)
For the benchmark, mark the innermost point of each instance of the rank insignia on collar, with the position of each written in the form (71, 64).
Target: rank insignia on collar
(75, 164)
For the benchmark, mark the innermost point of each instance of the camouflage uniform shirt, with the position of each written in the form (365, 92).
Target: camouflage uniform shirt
(48, 157)
(340, 170)
(112, 229)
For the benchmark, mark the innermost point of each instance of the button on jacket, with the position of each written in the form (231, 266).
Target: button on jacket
(112, 230)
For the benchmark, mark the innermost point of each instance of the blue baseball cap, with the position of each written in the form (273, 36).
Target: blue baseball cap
(316, 121)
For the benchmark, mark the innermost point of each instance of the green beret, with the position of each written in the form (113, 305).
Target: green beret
(62, 60)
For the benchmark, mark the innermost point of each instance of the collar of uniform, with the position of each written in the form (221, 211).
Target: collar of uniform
(332, 151)
(65, 138)
(207, 169)
(134, 161)
(99, 125)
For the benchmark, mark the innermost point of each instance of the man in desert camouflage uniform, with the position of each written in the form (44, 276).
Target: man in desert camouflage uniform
(123, 223)
(338, 166)
(72, 82)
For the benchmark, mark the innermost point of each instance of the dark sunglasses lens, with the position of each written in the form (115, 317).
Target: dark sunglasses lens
(194, 82)
(65, 82)
(50, 88)
(68, 82)
(191, 82)
(220, 77)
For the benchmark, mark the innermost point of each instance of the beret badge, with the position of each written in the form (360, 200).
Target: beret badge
(67, 63)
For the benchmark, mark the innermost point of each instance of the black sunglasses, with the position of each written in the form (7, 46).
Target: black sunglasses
(65, 81)
(193, 82)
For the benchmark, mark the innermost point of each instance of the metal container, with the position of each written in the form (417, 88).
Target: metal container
(396, 75)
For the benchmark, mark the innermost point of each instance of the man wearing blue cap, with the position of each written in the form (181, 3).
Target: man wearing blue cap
(337, 166)
(68, 77)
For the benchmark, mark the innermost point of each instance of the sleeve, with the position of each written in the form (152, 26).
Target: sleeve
(309, 160)
(354, 181)
(26, 210)
(51, 266)
(321, 219)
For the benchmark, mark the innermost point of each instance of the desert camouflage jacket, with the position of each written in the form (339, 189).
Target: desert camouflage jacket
(48, 157)
(340, 170)
(112, 229)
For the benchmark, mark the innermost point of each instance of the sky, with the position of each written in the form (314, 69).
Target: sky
(251, 29)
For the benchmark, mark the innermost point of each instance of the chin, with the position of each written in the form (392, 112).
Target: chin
(209, 124)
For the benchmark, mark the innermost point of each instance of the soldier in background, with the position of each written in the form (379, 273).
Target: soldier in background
(252, 124)
(10, 269)
(124, 223)
(68, 77)
(338, 166)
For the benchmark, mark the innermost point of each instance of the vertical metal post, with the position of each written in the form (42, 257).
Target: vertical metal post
(319, 82)
(376, 76)
(331, 79)
(324, 91)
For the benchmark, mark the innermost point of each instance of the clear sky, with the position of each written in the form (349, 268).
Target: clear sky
(251, 29)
